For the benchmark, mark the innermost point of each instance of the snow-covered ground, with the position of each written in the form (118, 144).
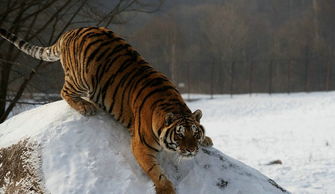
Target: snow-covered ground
(92, 155)
(298, 129)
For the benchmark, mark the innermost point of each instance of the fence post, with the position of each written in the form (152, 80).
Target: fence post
(251, 72)
(270, 76)
(212, 80)
(288, 76)
(329, 70)
(306, 68)
(232, 78)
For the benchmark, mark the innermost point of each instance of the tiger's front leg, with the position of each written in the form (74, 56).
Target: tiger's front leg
(207, 142)
(146, 157)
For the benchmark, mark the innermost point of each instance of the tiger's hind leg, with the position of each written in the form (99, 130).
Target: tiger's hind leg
(73, 98)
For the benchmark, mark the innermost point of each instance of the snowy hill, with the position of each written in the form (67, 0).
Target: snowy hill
(68, 153)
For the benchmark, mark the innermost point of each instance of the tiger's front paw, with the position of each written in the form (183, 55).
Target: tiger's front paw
(207, 142)
(86, 108)
(165, 188)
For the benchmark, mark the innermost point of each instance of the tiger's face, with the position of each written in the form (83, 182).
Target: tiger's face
(183, 134)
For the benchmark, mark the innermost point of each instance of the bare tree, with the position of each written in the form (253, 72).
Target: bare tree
(43, 22)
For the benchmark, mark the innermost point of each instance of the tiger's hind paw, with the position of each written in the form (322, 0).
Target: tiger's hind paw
(207, 142)
(86, 108)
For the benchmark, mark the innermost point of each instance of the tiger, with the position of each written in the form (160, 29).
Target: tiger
(102, 71)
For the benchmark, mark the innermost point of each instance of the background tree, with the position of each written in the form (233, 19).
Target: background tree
(42, 22)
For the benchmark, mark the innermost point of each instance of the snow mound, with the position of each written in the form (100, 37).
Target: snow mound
(92, 155)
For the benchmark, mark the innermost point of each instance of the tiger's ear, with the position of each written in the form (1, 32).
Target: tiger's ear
(197, 115)
(169, 118)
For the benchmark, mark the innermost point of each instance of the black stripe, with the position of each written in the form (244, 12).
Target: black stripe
(91, 57)
(105, 87)
(202, 129)
(124, 79)
(97, 49)
(71, 59)
(83, 41)
(41, 51)
(111, 79)
(151, 83)
(149, 146)
(3, 32)
(127, 63)
(171, 135)
(108, 66)
(94, 84)
(77, 87)
(109, 33)
(108, 48)
(79, 31)
(152, 167)
(159, 131)
(169, 109)
(141, 62)
(95, 35)
(154, 135)
(167, 144)
(135, 82)
(83, 37)
(118, 48)
(140, 71)
(91, 44)
(88, 29)
(124, 65)
(129, 124)
(21, 43)
(114, 51)
(153, 105)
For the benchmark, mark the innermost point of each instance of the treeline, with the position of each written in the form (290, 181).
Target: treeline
(239, 46)
(204, 46)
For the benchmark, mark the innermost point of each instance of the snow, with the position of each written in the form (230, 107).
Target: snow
(92, 155)
(297, 129)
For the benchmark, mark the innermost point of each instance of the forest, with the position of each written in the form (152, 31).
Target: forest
(203, 46)
(244, 46)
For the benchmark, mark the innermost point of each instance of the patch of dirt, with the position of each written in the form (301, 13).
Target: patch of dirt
(20, 166)
(275, 162)
(221, 183)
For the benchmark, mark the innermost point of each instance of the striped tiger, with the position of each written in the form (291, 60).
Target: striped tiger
(103, 71)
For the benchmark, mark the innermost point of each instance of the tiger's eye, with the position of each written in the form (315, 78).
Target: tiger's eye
(194, 128)
(180, 129)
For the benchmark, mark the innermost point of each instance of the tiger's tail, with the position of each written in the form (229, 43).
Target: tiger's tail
(43, 53)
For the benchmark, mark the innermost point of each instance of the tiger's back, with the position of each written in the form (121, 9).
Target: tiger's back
(101, 66)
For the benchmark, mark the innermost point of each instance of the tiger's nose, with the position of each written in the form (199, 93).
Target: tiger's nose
(191, 149)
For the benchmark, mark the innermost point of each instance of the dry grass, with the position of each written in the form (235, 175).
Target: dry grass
(20, 168)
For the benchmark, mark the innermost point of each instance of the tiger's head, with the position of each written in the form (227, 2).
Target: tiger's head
(182, 134)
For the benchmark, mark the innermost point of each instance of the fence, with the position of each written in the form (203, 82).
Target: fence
(260, 76)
